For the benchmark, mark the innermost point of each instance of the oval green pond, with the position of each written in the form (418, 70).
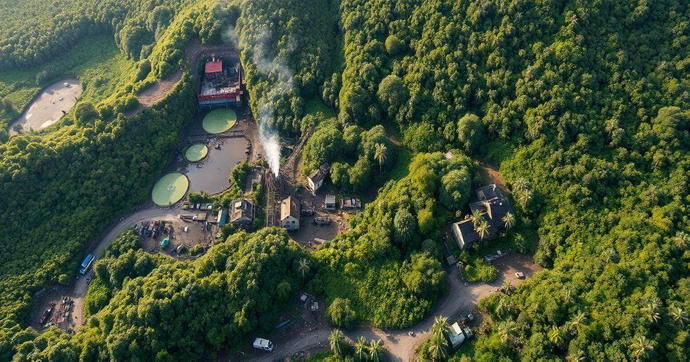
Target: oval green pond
(219, 120)
(170, 189)
(196, 153)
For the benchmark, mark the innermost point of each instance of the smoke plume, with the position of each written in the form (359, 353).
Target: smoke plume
(275, 68)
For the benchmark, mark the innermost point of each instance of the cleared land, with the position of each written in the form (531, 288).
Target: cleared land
(49, 106)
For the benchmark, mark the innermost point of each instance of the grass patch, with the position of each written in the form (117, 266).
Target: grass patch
(316, 108)
(476, 270)
(402, 166)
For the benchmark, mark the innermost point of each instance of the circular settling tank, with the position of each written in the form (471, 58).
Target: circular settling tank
(170, 189)
(219, 120)
(196, 153)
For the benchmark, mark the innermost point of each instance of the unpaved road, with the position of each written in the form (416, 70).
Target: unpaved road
(399, 343)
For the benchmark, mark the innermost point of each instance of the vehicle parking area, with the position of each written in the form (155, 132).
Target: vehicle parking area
(305, 317)
(321, 226)
(56, 306)
(177, 232)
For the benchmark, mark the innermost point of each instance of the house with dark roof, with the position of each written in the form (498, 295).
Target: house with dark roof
(290, 214)
(242, 213)
(493, 206)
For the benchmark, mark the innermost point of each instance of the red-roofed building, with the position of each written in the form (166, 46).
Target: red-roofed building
(214, 69)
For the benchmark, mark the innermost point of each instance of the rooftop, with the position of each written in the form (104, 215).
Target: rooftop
(241, 208)
(317, 176)
(214, 66)
(289, 207)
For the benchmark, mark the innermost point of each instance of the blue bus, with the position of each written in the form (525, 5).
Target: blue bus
(86, 264)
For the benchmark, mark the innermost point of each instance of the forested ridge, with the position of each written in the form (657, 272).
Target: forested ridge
(583, 105)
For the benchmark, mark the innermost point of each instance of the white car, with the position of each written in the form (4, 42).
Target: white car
(264, 345)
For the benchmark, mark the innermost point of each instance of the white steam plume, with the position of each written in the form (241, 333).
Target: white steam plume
(276, 68)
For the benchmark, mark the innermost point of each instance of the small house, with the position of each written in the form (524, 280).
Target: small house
(315, 179)
(242, 213)
(330, 203)
(290, 214)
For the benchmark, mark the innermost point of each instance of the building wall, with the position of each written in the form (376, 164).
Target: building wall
(458, 237)
(314, 186)
(290, 223)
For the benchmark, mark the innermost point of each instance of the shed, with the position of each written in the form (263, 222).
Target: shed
(222, 217)
(330, 203)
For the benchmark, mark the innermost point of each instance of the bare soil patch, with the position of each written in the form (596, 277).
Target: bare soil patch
(49, 106)
(490, 175)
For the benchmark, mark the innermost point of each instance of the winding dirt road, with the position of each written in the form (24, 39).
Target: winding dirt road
(400, 343)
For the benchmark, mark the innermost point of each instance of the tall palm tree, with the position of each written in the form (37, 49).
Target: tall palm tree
(641, 347)
(521, 185)
(609, 255)
(524, 198)
(507, 331)
(556, 336)
(380, 155)
(438, 347)
(376, 351)
(303, 267)
(336, 340)
(567, 296)
(483, 229)
(679, 315)
(361, 349)
(509, 220)
(652, 310)
(476, 217)
(440, 326)
(578, 321)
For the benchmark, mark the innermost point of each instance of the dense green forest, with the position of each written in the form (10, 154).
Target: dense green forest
(586, 101)
(163, 310)
(584, 106)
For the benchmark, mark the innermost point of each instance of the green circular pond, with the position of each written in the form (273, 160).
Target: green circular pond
(219, 120)
(170, 189)
(196, 153)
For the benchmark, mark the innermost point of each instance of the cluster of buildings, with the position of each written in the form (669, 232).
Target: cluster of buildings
(221, 83)
(493, 209)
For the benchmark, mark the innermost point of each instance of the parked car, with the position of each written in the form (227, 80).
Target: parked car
(307, 212)
(264, 345)
(322, 220)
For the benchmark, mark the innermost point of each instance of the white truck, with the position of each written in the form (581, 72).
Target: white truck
(264, 345)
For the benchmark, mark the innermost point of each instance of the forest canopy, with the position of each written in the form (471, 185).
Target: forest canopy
(584, 106)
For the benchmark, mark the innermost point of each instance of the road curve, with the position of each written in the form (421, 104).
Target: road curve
(81, 285)
(401, 343)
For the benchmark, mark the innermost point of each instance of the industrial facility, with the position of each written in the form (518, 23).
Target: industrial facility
(221, 83)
